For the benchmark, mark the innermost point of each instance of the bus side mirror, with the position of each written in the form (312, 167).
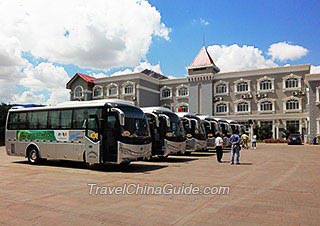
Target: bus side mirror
(120, 114)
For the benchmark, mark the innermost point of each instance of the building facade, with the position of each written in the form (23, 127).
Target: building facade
(276, 98)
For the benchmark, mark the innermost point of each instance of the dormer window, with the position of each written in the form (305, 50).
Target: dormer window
(78, 92)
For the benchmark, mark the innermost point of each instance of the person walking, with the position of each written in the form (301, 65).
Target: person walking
(235, 148)
(219, 147)
(245, 140)
(254, 141)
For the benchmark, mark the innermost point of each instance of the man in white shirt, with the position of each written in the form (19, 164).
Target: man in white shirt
(219, 147)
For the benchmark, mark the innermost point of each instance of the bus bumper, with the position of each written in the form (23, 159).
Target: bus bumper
(172, 147)
(131, 152)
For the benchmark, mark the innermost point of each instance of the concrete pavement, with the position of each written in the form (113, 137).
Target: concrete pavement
(276, 184)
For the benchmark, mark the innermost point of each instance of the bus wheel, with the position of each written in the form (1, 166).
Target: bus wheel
(33, 156)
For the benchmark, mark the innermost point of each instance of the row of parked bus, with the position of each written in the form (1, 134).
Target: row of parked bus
(109, 131)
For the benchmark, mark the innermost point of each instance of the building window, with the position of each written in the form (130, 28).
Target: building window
(292, 83)
(317, 95)
(128, 89)
(183, 91)
(166, 92)
(266, 106)
(222, 88)
(243, 107)
(266, 85)
(221, 108)
(113, 90)
(242, 87)
(97, 91)
(292, 126)
(78, 92)
(292, 105)
(182, 108)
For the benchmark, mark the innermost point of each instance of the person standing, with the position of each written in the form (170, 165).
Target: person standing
(235, 148)
(254, 141)
(219, 147)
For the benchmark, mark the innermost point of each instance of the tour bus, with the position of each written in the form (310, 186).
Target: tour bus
(168, 136)
(211, 128)
(95, 132)
(225, 131)
(195, 132)
(235, 126)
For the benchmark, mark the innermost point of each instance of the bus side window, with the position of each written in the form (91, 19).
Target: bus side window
(65, 119)
(79, 116)
(53, 119)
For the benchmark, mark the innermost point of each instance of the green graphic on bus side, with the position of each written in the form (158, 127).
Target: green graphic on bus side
(35, 135)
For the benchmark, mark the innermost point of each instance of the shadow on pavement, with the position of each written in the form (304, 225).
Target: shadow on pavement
(202, 154)
(131, 168)
(173, 159)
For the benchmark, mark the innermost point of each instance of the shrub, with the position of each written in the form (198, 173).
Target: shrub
(271, 140)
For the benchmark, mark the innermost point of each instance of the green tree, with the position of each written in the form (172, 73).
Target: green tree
(3, 116)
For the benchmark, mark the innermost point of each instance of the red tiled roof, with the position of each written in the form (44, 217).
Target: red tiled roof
(202, 59)
(87, 78)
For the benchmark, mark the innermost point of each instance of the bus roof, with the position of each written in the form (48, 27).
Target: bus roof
(154, 109)
(72, 104)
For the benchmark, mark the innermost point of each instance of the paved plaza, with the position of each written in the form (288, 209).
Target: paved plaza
(276, 184)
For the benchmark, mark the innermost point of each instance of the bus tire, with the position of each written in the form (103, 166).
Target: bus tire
(33, 155)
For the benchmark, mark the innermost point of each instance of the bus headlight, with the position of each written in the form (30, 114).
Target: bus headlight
(189, 135)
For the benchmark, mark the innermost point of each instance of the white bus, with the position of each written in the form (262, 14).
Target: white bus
(168, 136)
(212, 128)
(95, 132)
(195, 132)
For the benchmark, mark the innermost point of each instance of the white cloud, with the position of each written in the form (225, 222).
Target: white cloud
(284, 51)
(142, 66)
(315, 69)
(239, 58)
(28, 97)
(88, 33)
(46, 77)
(204, 22)
(11, 64)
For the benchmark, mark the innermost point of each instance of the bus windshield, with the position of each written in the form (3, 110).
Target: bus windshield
(136, 124)
(176, 129)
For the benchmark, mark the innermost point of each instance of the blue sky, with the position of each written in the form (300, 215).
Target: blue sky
(103, 38)
(257, 23)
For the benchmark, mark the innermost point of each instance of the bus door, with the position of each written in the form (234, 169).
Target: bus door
(112, 131)
(92, 140)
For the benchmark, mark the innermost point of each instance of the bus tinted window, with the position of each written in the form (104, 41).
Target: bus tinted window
(65, 119)
(53, 120)
(13, 119)
(42, 119)
(33, 120)
(79, 115)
